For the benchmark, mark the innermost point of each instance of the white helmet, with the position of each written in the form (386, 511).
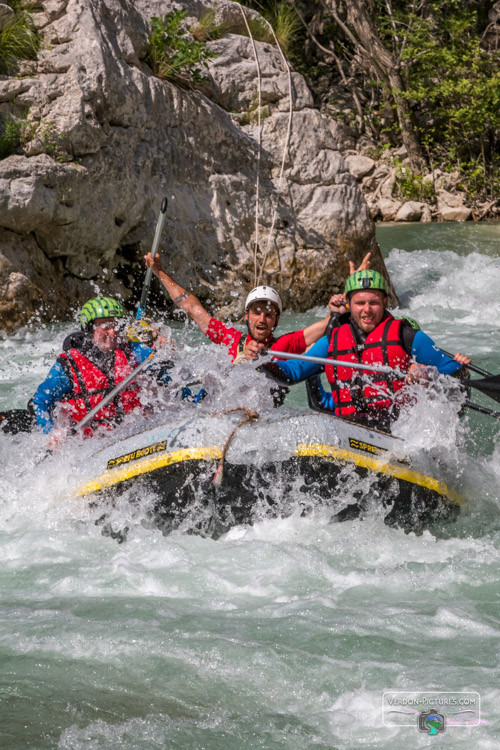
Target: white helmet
(264, 294)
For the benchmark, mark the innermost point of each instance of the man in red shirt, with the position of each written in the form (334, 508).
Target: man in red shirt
(262, 313)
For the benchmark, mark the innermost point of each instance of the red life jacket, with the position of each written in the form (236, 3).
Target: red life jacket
(90, 384)
(359, 391)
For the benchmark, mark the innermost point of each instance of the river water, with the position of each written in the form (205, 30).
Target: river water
(285, 634)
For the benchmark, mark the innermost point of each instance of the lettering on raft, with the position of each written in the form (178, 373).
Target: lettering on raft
(139, 453)
(360, 445)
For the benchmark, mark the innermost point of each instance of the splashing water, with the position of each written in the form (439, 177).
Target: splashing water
(283, 634)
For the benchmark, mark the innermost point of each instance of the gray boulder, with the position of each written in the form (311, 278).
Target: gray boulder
(451, 206)
(6, 15)
(360, 166)
(410, 211)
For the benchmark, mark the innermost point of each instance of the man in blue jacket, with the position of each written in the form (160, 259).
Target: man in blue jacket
(92, 363)
(369, 334)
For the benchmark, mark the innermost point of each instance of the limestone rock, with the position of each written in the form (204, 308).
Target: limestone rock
(454, 200)
(105, 140)
(345, 137)
(6, 15)
(233, 74)
(360, 166)
(389, 208)
(426, 217)
(410, 211)
(386, 187)
(451, 206)
(455, 213)
(372, 181)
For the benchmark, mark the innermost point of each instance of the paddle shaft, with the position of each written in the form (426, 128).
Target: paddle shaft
(154, 251)
(111, 395)
(482, 409)
(324, 361)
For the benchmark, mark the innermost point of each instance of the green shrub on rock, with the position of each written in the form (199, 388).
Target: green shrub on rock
(173, 53)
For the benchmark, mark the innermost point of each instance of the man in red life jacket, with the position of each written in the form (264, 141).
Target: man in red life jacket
(262, 313)
(369, 334)
(92, 363)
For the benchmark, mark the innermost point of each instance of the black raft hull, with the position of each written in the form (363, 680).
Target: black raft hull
(203, 476)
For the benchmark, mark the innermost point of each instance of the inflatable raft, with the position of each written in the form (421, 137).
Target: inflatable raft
(209, 472)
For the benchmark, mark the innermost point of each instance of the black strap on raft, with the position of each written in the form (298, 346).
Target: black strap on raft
(314, 398)
(336, 320)
(17, 420)
(380, 421)
(278, 391)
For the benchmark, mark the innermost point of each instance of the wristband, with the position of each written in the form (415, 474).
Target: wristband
(177, 300)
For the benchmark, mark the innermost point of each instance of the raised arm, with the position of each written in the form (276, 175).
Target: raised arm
(185, 300)
(365, 265)
(315, 331)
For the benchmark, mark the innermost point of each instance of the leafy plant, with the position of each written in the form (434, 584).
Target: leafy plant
(10, 137)
(54, 144)
(423, 74)
(172, 53)
(451, 83)
(19, 40)
(283, 19)
(411, 185)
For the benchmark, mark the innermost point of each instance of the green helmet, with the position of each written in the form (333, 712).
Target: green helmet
(100, 307)
(364, 281)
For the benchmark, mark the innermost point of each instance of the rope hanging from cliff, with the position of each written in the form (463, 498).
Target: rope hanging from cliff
(258, 276)
(285, 152)
(259, 150)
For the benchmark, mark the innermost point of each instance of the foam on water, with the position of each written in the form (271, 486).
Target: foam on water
(283, 634)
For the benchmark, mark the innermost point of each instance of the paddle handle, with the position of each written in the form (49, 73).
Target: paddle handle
(472, 367)
(323, 361)
(154, 251)
(111, 395)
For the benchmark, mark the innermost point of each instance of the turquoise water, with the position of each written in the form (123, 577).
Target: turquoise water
(281, 635)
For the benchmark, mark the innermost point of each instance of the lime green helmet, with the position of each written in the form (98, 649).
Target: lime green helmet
(365, 281)
(100, 307)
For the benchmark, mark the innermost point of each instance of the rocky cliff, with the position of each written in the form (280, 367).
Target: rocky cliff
(104, 140)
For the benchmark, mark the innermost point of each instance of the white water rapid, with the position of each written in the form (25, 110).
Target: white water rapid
(279, 636)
